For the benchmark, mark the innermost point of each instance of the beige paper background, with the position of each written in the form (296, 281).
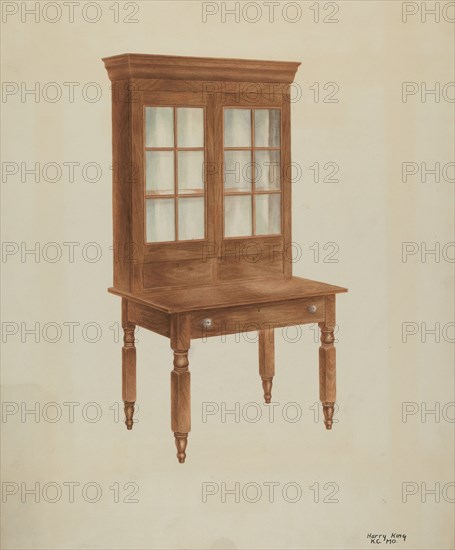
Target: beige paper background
(370, 452)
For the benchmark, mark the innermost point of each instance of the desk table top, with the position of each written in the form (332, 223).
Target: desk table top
(231, 294)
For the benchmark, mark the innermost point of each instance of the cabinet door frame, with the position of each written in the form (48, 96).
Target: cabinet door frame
(162, 251)
(263, 243)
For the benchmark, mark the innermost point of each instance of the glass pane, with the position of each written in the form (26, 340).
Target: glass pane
(159, 172)
(190, 127)
(159, 127)
(268, 214)
(237, 216)
(238, 168)
(267, 127)
(191, 218)
(191, 171)
(237, 127)
(267, 169)
(160, 216)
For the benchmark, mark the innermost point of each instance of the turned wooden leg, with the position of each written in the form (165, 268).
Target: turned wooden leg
(128, 367)
(180, 384)
(267, 361)
(180, 402)
(327, 363)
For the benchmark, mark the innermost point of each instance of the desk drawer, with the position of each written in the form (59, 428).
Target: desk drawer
(213, 322)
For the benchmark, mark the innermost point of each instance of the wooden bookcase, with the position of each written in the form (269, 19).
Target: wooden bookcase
(202, 215)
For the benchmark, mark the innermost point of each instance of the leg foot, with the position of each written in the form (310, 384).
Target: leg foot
(129, 412)
(267, 387)
(328, 414)
(267, 361)
(181, 441)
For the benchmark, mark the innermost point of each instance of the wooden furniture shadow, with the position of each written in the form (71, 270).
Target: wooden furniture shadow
(202, 216)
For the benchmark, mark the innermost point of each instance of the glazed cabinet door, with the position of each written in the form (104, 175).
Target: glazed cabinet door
(253, 151)
(172, 193)
(252, 171)
(174, 174)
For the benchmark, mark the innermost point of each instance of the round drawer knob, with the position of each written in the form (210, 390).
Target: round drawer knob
(207, 323)
(312, 309)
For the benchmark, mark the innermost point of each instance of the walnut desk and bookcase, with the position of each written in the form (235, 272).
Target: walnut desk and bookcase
(202, 215)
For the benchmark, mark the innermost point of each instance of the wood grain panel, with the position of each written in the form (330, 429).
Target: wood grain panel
(259, 317)
(252, 96)
(149, 318)
(121, 185)
(267, 246)
(267, 90)
(184, 250)
(188, 272)
(249, 267)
